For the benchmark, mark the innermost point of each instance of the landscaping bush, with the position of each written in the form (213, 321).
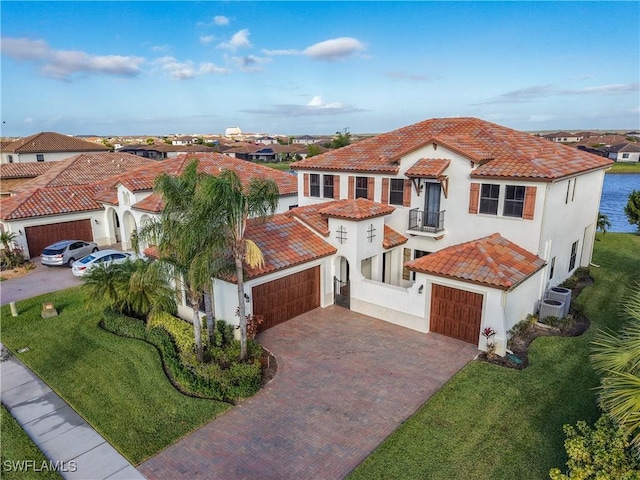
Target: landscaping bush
(523, 329)
(224, 378)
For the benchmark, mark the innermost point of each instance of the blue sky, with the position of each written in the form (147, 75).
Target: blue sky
(157, 68)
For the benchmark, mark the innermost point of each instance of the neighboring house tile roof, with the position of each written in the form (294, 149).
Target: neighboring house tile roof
(52, 142)
(87, 168)
(50, 201)
(212, 163)
(428, 168)
(499, 151)
(493, 261)
(284, 242)
(357, 209)
(392, 238)
(602, 140)
(624, 147)
(24, 170)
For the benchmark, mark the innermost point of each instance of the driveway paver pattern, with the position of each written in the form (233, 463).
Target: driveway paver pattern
(345, 382)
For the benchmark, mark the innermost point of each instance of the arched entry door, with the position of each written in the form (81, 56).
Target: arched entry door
(341, 290)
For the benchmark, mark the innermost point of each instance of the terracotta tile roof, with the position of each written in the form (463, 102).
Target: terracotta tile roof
(500, 151)
(284, 243)
(212, 163)
(50, 201)
(310, 216)
(87, 168)
(358, 209)
(153, 203)
(10, 185)
(392, 238)
(109, 196)
(493, 261)
(52, 142)
(428, 168)
(24, 170)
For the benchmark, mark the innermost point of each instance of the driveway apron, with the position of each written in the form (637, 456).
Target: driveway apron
(345, 382)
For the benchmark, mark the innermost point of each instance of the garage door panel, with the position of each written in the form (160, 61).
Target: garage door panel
(40, 236)
(456, 313)
(282, 299)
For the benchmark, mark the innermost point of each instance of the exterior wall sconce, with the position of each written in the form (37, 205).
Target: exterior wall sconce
(20, 232)
(246, 298)
(96, 221)
(421, 289)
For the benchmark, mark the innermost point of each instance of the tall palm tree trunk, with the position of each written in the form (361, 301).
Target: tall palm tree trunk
(241, 310)
(197, 328)
(210, 309)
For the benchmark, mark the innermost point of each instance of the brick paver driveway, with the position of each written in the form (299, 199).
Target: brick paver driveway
(344, 383)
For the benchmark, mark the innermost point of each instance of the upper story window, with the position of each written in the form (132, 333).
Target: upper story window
(361, 187)
(513, 201)
(327, 186)
(489, 195)
(314, 185)
(10, 158)
(574, 254)
(40, 157)
(396, 191)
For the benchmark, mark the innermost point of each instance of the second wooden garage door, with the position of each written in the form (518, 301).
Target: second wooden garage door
(287, 297)
(456, 313)
(43, 235)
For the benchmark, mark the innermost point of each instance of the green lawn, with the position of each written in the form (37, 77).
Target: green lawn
(622, 167)
(490, 422)
(284, 166)
(117, 384)
(18, 451)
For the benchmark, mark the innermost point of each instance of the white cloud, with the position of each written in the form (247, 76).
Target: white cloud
(315, 107)
(63, 64)
(616, 88)
(239, 40)
(187, 69)
(206, 39)
(220, 20)
(542, 91)
(250, 63)
(541, 117)
(329, 50)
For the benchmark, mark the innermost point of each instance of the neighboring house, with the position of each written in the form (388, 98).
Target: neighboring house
(305, 140)
(59, 203)
(156, 151)
(625, 152)
(182, 140)
(15, 175)
(563, 137)
(599, 141)
(47, 147)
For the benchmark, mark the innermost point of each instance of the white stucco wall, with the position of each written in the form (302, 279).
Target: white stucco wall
(32, 157)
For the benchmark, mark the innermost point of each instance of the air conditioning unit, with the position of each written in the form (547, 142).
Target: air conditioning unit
(562, 295)
(551, 308)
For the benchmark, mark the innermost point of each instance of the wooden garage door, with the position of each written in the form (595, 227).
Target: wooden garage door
(456, 313)
(287, 297)
(43, 235)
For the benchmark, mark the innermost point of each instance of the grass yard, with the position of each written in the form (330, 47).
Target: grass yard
(489, 422)
(283, 166)
(621, 167)
(16, 446)
(117, 384)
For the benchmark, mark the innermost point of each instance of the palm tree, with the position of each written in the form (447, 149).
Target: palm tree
(603, 223)
(135, 288)
(6, 238)
(232, 205)
(617, 358)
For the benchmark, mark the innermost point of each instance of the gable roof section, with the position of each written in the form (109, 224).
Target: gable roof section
(499, 151)
(355, 209)
(492, 261)
(428, 168)
(50, 201)
(284, 242)
(153, 204)
(24, 170)
(51, 142)
(86, 168)
(310, 216)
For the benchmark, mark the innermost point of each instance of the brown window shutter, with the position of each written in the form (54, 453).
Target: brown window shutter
(306, 185)
(406, 194)
(336, 187)
(370, 187)
(529, 203)
(352, 186)
(474, 198)
(385, 191)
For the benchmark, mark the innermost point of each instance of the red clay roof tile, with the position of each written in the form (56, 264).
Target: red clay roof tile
(50, 201)
(392, 238)
(357, 209)
(45, 142)
(493, 261)
(428, 168)
(24, 170)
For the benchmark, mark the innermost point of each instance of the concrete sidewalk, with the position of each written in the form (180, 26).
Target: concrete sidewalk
(61, 434)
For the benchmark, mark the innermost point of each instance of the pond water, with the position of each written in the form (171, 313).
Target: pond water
(615, 194)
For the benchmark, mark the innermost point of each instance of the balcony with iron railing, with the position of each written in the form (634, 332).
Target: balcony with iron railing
(426, 221)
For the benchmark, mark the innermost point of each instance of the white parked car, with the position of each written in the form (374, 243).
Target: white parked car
(102, 257)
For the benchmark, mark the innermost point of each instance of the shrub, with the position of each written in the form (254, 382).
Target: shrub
(223, 333)
(523, 328)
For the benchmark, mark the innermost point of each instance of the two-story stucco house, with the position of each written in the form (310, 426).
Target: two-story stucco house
(450, 225)
(48, 147)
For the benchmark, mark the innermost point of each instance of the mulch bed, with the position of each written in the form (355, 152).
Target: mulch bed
(520, 346)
